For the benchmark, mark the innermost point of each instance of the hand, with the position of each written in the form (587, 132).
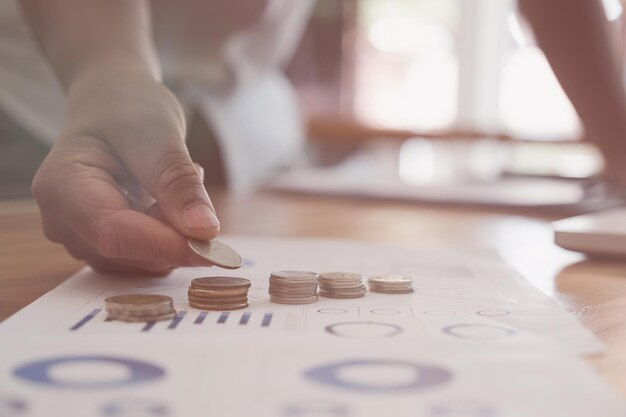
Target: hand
(124, 131)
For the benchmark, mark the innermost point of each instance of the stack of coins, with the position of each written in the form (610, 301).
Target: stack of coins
(293, 287)
(341, 285)
(218, 293)
(391, 284)
(140, 307)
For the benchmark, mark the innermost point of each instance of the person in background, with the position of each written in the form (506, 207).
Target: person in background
(119, 189)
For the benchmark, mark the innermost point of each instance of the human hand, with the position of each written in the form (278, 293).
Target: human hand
(124, 131)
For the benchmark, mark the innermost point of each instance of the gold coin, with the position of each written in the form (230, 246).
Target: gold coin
(139, 313)
(220, 283)
(138, 301)
(216, 252)
(217, 293)
(220, 301)
(201, 306)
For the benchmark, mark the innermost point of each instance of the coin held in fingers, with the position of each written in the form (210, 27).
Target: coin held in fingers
(217, 253)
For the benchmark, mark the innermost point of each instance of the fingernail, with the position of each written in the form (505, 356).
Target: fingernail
(200, 216)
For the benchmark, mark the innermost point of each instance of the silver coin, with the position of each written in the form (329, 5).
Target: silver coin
(382, 291)
(216, 252)
(340, 276)
(391, 279)
(295, 275)
(280, 293)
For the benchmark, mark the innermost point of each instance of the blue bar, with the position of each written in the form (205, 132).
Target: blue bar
(245, 318)
(149, 325)
(177, 319)
(201, 317)
(223, 317)
(86, 319)
(267, 319)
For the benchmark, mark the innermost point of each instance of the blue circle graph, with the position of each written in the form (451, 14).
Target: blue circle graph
(39, 372)
(424, 376)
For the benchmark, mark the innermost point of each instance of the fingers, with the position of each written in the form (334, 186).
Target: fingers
(89, 205)
(178, 188)
(163, 166)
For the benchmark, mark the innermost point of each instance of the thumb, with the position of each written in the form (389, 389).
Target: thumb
(177, 186)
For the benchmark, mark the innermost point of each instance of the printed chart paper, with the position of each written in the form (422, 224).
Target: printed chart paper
(475, 339)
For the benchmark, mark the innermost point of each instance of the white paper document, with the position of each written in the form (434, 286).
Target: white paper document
(475, 339)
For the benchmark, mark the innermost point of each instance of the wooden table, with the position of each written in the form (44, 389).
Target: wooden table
(593, 290)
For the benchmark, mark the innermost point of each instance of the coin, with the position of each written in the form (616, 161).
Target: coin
(391, 279)
(341, 285)
(220, 283)
(140, 307)
(219, 301)
(216, 252)
(214, 307)
(293, 287)
(138, 301)
(391, 284)
(218, 293)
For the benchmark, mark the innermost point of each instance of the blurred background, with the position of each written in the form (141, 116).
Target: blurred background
(434, 91)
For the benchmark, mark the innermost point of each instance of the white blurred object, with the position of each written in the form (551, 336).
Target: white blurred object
(437, 172)
(258, 127)
(602, 233)
(613, 9)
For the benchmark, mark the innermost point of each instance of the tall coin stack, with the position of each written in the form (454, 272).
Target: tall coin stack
(218, 293)
(391, 284)
(140, 307)
(341, 285)
(293, 287)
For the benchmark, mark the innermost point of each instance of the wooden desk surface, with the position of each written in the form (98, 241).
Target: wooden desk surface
(593, 290)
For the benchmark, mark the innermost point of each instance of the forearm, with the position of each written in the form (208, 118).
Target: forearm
(92, 38)
(575, 38)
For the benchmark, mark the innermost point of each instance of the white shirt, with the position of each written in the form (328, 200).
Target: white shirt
(222, 57)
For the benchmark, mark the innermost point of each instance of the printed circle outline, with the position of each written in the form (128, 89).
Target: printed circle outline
(503, 312)
(392, 311)
(395, 329)
(425, 376)
(450, 330)
(38, 372)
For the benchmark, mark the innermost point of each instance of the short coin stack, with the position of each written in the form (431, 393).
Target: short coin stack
(140, 307)
(341, 285)
(293, 287)
(391, 284)
(218, 293)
